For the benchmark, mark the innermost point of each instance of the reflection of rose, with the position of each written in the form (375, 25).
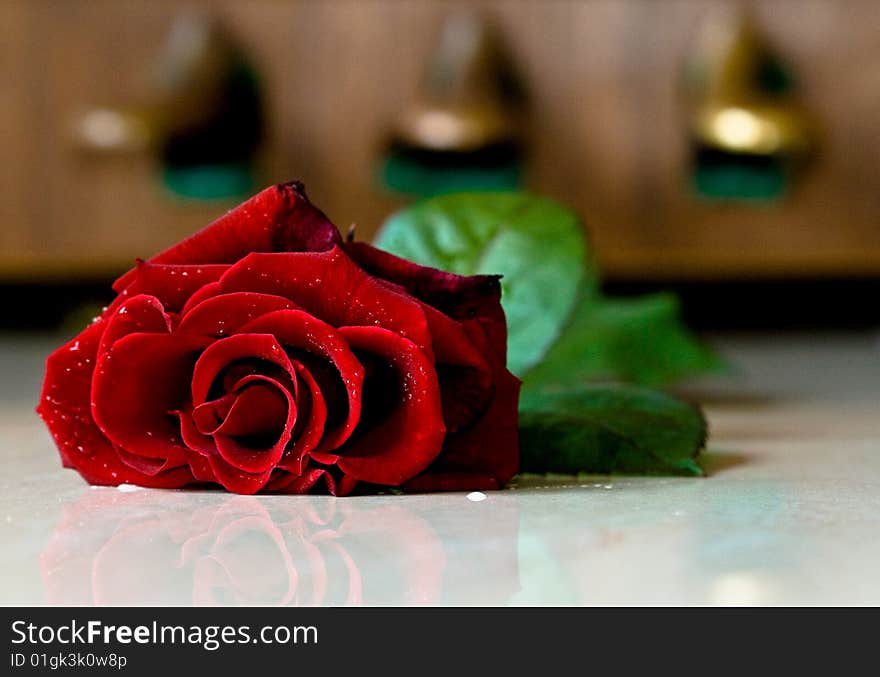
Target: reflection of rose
(264, 353)
(115, 548)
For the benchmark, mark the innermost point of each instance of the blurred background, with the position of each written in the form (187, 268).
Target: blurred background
(725, 150)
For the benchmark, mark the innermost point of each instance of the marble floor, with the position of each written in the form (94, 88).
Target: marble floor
(788, 514)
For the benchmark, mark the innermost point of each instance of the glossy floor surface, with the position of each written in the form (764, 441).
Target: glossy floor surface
(789, 513)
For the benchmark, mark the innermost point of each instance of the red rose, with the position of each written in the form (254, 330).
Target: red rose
(265, 353)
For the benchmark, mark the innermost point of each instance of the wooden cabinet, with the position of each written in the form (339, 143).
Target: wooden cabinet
(607, 130)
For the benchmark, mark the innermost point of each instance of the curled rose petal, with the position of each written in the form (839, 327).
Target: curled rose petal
(298, 330)
(331, 287)
(310, 421)
(137, 382)
(409, 438)
(251, 425)
(279, 219)
(140, 314)
(238, 466)
(258, 408)
(461, 297)
(466, 384)
(227, 351)
(209, 290)
(237, 480)
(65, 406)
(222, 315)
(487, 449)
(301, 484)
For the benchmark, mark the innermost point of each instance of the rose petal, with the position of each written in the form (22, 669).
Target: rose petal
(490, 446)
(65, 407)
(173, 285)
(297, 329)
(290, 483)
(197, 442)
(208, 291)
(411, 436)
(233, 466)
(198, 425)
(344, 486)
(144, 464)
(208, 416)
(311, 417)
(259, 410)
(302, 484)
(137, 382)
(241, 457)
(198, 462)
(324, 457)
(138, 314)
(235, 480)
(465, 376)
(225, 314)
(474, 297)
(223, 353)
(332, 288)
(280, 218)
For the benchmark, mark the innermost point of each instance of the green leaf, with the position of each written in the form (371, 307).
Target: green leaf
(536, 244)
(605, 429)
(636, 340)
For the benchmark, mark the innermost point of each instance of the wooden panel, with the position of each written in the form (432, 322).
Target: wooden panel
(607, 127)
(16, 161)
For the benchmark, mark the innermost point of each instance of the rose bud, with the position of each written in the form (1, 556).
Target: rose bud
(263, 353)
